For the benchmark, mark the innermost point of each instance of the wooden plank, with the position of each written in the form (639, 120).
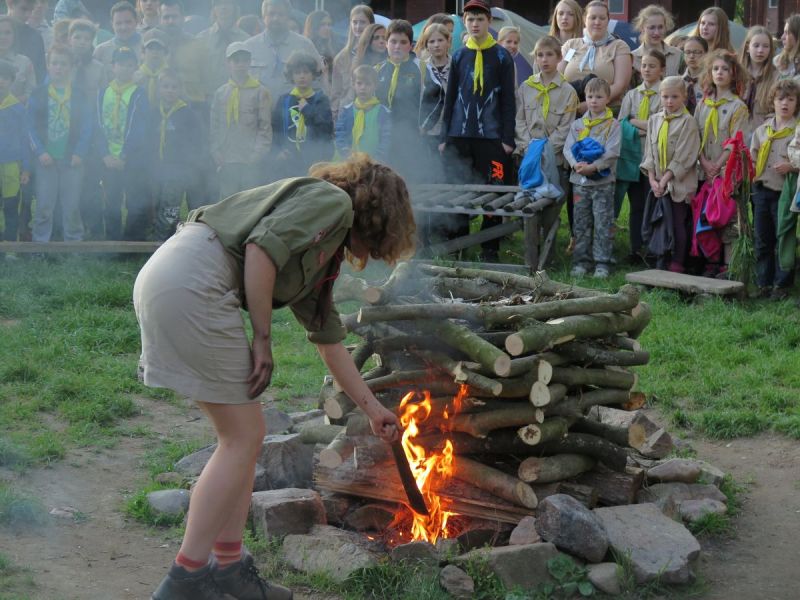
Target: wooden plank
(499, 202)
(505, 267)
(467, 187)
(474, 239)
(460, 210)
(691, 284)
(88, 247)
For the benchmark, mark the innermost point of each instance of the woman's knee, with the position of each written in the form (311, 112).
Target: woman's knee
(238, 426)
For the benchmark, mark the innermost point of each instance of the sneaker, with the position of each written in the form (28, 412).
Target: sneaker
(180, 584)
(601, 273)
(242, 581)
(578, 271)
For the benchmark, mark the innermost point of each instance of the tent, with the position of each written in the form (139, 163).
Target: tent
(529, 32)
(738, 33)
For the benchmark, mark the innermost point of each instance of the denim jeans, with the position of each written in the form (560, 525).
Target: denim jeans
(59, 182)
(765, 221)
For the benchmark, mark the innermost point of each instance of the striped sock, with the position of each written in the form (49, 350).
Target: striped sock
(227, 553)
(187, 563)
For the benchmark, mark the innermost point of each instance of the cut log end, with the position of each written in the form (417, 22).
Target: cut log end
(502, 366)
(515, 345)
(530, 434)
(545, 371)
(540, 394)
(525, 495)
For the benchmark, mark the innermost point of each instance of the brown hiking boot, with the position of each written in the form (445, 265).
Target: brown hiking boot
(242, 581)
(180, 584)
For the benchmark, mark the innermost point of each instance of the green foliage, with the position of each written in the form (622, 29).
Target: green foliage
(487, 584)
(15, 583)
(655, 590)
(18, 511)
(711, 524)
(139, 509)
(571, 581)
(163, 457)
(396, 581)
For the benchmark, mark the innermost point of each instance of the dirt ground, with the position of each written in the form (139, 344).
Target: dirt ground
(105, 556)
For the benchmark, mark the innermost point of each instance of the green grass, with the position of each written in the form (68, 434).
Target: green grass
(19, 511)
(15, 583)
(139, 509)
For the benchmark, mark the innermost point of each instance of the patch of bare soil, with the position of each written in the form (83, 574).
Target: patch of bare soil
(108, 557)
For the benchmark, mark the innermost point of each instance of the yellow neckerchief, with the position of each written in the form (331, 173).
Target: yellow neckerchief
(712, 120)
(163, 129)
(663, 136)
(644, 105)
(9, 101)
(766, 146)
(119, 90)
(589, 124)
(61, 101)
(152, 80)
(395, 78)
(298, 117)
(534, 81)
(360, 118)
(477, 76)
(232, 109)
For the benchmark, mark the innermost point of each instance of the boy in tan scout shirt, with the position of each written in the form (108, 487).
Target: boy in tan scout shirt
(770, 151)
(669, 161)
(241, 127)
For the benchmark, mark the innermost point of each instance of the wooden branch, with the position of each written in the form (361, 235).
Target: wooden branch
(614, 488)
(362, 353)
(336, 404)
(648, 438)
(473, 239)
(482, 423)
(543, 364)
(320, 434)
(496, 482)
(537, 336)
(547, 431)
(588, 353)
(348, 287)
(579, 405)
(402, 281)
(606, 452)
(618, 435)
(461, 372)
(576, 376)
(546, 469)
(543, 395)
(337, 451)
(404, 378)
(468, 342)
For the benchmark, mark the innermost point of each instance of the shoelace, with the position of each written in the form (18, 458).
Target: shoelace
(251, 574)
(207, 584)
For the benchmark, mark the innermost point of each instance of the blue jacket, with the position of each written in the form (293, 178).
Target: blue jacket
(318, 118)
(15, 146)
(183, 148)
(81, 121)
(491, 115)
(134, 145)
(405, 103)
(344, 131)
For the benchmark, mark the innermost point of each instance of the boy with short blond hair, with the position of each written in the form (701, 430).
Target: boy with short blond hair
(241, 127)
(592, 149)
(364, 125)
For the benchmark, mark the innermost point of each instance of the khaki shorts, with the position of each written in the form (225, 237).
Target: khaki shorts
(187, 302)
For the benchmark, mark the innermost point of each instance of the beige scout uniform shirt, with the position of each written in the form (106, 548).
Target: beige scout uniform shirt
(673, 55)
(632, 100)
(732, 117)
(269, 56)
(778, 153)
(531, 123)
(683, 147)
(760, 114)
(300, 223)
(576, 49)
(608, 133)
(249, 140)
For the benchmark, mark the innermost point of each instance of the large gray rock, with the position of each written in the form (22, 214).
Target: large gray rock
(572, 527)
(415, 552)
(659, 547)
(307, 415)
(281, 512)
(370, 517)
(192, 464)
(523, 566)
(675, 469)
(525, 533)
(171, 503)
(710, 474)
(329, 550)
(604, 577)
(276, 420)
(678, 492)
(287, 462)
(457, 583)
(694, 510)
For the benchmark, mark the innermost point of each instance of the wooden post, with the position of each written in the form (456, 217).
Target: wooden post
(532, 236)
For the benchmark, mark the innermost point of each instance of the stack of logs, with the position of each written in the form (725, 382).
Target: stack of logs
(538, 363)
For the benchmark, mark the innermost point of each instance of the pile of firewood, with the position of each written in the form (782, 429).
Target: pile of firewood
(538, 364)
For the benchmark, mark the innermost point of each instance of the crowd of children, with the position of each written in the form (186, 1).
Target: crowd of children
(111, 140)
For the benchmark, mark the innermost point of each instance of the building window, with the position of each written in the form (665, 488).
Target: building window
(773, 3)
(617, 7)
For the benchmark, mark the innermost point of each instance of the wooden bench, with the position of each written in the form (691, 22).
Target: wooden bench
(539, 219)
(690, 284)
(88, 247)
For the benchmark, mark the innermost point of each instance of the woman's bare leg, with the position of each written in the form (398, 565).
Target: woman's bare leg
(218, 498)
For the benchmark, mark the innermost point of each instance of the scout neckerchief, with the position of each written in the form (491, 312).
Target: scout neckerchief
(663, 137)
(360, 118)
(394, 81)
(544, 91)
(763, 151)
(165, 115)
(232, 109)
(9, 101)
(297, 115)
(712, 120)
(152, 80)
(644, 105)
(691, 95)
(119, 91)
(589, 124)
(589, 58)
(62, 111)
(477, 75)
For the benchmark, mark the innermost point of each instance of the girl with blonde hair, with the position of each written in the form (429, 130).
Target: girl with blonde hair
(713, 27)
(757, 57)
(653, 23)
(567, 21)
(509, 38)
(788, 61)
(361, 16)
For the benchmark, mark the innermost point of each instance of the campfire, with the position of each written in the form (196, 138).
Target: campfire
(508, 388)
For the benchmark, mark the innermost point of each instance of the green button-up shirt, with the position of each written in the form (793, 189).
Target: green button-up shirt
(301, 223)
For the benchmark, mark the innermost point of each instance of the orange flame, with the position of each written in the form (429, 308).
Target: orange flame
(428, 468)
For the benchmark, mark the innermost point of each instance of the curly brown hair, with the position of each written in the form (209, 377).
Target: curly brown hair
(383, 219)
